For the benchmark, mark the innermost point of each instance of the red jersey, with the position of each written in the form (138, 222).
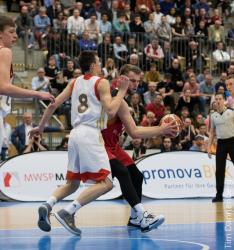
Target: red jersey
(111, 136)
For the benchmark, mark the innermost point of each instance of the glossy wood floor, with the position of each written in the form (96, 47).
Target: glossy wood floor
(190, 224)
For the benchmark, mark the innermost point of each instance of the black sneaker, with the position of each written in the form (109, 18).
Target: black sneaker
(67, 221)
(44, 220)
(134, 222)
(217, 199)
(150, 222)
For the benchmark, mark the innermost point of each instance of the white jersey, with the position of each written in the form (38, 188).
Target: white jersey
(86, 107)
(5, 101)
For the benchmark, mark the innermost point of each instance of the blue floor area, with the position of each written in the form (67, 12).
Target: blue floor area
(176, 237)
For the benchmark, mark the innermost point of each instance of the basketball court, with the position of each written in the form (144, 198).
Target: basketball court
(190, 224)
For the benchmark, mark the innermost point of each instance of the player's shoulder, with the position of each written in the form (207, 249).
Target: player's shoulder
(4, 50)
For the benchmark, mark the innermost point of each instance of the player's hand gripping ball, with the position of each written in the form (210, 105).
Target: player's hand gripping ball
(173, 118)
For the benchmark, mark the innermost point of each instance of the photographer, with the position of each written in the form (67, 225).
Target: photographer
(35, 144)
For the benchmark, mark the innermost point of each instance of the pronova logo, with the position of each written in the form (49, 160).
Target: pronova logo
(11, 179)
(33, 176)
(182, 174)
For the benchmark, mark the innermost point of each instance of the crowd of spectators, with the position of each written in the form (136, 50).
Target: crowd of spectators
(181, 47)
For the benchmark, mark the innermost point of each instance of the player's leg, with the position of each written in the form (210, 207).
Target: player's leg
(142, 220)
(91, 163)
(59, 194)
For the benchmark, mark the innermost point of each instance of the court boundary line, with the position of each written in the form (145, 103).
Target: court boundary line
(204, 246)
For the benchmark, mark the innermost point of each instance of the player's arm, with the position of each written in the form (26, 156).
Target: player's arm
(143, 132)
(211, 140)
(60, 99)
(6, 88)
(112, 104)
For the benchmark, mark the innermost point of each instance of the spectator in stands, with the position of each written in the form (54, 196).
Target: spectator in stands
(88, 9)
(105, 49)
(150, 27)
(53, 8)
(164, 31)
(75, 23)
(166, 6)
(148, 120)
(105, 26)
(120, 25)
(120, 51)
(41, 82)
(166, 89)
(142, 86)
(216, 33)
(6, 139)
(157, 15)
(86, 42)
(202, 4)
(52, 72)
(231, 33)
(35, 144)
(156, 107)
(185, 101)
(25, 26)
(92, 27)
(169, 56)
(184, 113)
(139, 149)
(222, 81)
(221, 57)
(194, 57)
(187, 13)
(150, 95)
(171, 16)
(148, 4)
(201, 76)
(207, 89)
(176, 74)
(189, 29)
(110, 71)
(136, 25)
(198, 144)
(60, 23)
(153, 74)
(154, 52)
(202, 131)
(187, 135)
(42, 26)
(63, 146)
(137, 108)
(201, 30)
(179, 37)
(167, 145)
(216, 16)
(20, 137)
(68, 71)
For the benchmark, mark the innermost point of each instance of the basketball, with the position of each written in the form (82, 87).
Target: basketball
(170, 118)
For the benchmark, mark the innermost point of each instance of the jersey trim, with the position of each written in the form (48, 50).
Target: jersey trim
(96, 88)
(101, 175)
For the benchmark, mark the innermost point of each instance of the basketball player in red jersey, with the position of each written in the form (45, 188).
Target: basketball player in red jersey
(122, 166)
(7, 39)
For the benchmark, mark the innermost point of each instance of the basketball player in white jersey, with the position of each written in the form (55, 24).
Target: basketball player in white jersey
(7, 38)
(87, 158)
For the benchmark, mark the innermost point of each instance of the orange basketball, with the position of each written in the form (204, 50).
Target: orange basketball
(170, 118)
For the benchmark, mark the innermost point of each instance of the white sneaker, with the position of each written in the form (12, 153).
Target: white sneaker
(150, 222)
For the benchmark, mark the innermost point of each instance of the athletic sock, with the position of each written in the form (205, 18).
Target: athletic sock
(139, 210)
(52, 201)
(133, 213)
(73, 207)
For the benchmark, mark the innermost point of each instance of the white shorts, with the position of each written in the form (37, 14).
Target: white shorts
(87, 157)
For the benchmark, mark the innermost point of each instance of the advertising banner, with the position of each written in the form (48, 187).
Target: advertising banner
(34, 176)
(182, 174)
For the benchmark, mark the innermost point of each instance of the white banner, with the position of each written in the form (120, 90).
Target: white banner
(182, 174)
(34, 176)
